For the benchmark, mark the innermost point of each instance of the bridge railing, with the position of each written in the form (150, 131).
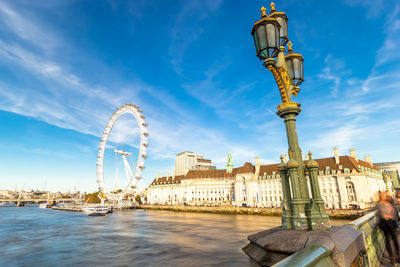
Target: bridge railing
(368, 254)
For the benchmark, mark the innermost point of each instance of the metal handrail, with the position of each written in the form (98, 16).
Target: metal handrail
(358, 223)
(308, 256)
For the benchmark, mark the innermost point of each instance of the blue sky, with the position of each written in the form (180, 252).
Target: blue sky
(66, 66)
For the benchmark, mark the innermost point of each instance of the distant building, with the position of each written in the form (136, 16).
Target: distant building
(392, 171)
(6, 194)
(345, 182)
(186, 161)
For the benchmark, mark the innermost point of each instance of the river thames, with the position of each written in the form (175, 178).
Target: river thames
(43, 237)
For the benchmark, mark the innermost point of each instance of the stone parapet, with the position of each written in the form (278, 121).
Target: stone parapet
(359, 243)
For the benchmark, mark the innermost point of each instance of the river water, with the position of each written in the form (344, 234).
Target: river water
(30, 236)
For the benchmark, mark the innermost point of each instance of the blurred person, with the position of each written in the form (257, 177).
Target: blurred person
(387, 215)
(396, 203)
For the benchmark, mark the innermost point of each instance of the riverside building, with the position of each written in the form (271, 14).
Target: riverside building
(186, 161)
(345, 182)
(391, 171)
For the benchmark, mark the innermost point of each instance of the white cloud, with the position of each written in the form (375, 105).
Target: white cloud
(333, 72)
(374, 7)
(26, 29)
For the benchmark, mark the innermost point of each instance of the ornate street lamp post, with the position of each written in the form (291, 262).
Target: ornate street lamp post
(300, 211)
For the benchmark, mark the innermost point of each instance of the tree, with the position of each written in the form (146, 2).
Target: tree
(138, 199)
(92, 198)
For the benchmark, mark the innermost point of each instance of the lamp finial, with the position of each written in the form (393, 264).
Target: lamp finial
(263, 14)
(272, 5)
(290, 154)
(290, 47)
(281, 158)
(309, 154)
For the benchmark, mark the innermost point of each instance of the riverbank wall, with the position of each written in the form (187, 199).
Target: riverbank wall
(334, 214)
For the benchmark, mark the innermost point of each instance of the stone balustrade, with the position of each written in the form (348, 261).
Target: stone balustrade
(359, 243)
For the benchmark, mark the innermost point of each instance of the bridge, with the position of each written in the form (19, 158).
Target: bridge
(37, 200)
(359, 243)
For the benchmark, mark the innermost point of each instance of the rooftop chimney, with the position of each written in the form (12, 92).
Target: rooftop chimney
(367, 158)
(336, 153)
(257, 163)
(353, 154)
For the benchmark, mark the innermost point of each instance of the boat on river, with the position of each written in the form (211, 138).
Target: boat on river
(96, 210)
(43, 206)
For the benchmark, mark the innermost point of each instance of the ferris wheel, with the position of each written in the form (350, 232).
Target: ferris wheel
(135, 176)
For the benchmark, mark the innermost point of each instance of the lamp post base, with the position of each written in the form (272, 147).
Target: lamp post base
(286, 215)
(300, 209)
(318, 219)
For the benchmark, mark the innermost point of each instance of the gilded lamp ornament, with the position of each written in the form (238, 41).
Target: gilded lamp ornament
(282, 20)
(266, 36)
(294, 62)
(270, 34)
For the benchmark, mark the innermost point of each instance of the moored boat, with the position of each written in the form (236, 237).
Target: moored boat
(96, 210)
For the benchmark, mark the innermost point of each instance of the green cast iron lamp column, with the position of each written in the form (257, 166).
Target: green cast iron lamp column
(270, 35)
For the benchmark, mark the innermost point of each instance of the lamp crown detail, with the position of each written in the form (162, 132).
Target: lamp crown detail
(272, 5)
(281, 158)
(309, 154)
(290, 154)
(263, 14)
(290, 46)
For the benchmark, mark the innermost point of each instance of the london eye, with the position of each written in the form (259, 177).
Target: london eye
(132, 176)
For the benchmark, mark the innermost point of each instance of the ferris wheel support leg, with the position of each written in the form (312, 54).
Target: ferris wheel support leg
(128, 170)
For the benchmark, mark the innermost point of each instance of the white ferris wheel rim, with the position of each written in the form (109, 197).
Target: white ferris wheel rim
(136, 176)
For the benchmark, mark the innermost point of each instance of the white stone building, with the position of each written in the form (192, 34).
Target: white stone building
(186, 161)
(345, 182)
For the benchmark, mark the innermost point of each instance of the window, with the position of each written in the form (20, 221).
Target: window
(350, 191)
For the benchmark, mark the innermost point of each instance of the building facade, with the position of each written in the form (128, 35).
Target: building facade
(186, 161)
(345, 182)
(391, 171)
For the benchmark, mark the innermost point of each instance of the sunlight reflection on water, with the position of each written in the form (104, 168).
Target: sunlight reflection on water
(42, 237)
